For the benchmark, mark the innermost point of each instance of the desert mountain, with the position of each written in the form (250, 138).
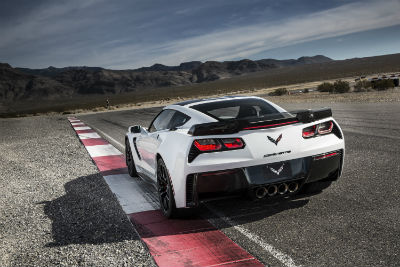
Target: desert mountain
(28, 84)
(15, 85)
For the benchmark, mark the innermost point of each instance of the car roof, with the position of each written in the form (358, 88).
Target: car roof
(200, 117)
(192, 102)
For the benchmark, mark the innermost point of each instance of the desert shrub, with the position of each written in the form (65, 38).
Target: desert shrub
(279, 91)
(382, 85)
(341, 87)
(325, 87)
(362, 86)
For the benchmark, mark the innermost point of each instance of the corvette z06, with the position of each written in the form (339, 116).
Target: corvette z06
(203, 149)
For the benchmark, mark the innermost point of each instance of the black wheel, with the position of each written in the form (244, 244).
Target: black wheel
(129, 160)
(316, 187)
(165, 193)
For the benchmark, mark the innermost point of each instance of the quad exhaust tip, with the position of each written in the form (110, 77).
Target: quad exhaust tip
(293, 187)
(261, 192)
(282, 188)
(273, 189)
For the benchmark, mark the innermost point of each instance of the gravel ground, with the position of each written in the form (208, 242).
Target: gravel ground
(55, 209)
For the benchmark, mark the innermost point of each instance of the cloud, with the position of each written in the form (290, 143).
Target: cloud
(53, 19)
(248, 40)
(133, 34)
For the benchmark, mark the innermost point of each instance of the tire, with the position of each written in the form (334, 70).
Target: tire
(129, 160)
(316, 187)
(165, 192)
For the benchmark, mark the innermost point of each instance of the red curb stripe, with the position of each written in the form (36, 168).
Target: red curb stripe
(94, 142)
(84, 131)
(153, 223)
(80, 125)
(190, 242)
(108, 163)
(115, 171)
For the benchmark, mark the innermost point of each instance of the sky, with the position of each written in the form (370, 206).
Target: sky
(128, 34)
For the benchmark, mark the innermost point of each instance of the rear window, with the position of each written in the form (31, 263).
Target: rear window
(236, 109)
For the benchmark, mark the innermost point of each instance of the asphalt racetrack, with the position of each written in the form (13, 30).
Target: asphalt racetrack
(355, 222)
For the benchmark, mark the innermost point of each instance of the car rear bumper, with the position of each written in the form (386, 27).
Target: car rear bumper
(209, 185)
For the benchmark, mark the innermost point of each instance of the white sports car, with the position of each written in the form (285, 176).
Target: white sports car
(203, 149)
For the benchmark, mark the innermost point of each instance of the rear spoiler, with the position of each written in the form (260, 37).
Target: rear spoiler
(237, 125)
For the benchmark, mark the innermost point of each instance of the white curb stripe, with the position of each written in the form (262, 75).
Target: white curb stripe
(134, 195)
(88, 135)
(82, 128)
(102, 150)
(77, 123)
(130, 193)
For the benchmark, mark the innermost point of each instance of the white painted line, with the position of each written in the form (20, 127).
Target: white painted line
(82, 128)
(77, 123)
(282, 257)
(88, 135)
(74, 121)
(130, 194)
(102, 150)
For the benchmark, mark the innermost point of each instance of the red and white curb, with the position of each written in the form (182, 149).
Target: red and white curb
(189, 242)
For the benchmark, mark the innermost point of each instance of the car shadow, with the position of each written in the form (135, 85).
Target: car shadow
(241, 211)
(88, 213)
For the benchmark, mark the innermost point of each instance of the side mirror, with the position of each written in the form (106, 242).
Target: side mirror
(135, 129)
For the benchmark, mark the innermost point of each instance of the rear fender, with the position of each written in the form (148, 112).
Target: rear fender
(173, 149)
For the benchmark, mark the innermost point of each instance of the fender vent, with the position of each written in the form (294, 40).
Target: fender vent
(193, 153)
(137, 152)
(336, 131)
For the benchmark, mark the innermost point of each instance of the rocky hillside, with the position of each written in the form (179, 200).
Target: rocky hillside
(16, 85)
(214, 70)
(29, 84)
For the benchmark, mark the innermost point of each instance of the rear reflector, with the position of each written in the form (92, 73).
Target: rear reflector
(207, 144)
(227, 172)
(328, 155)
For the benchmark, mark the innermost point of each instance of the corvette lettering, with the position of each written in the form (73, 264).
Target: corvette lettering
(278, 153)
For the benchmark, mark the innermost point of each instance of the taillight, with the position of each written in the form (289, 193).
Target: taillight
(325, 127)
(309, 131)
(232, 143)
(207, 144)
(318, 129)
